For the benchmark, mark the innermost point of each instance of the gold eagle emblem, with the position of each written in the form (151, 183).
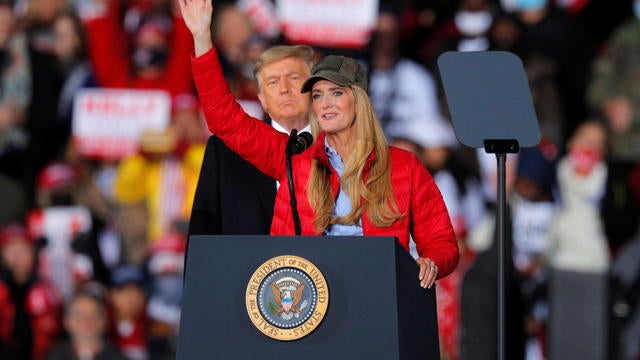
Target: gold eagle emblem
(287, 293)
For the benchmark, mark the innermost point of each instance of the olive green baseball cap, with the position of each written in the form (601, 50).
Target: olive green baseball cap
(340, 70)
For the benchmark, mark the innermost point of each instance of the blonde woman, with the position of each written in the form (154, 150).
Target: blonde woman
(349, 181)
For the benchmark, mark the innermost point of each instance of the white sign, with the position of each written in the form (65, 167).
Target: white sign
(108, 123)
(334, 23)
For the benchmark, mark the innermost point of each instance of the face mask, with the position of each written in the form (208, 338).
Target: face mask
(146, 57)
(583, 160)
(530, 4)
(473, 23)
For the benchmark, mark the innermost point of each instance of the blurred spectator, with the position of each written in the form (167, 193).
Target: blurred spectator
(30, 307)
(56, 183)
(533, 210)
(169, 164)
(85, 319)
(467, 30)
(39, 16)
(15, 93)
(533, 204)
(578, 254)
(72, 214)
(74, 69)
(162, 179)
(625, 312)
(625, 296)
(507, 34)
(545, 94)
(614, 91)
(233, 35)
(435, 143)
(155, 56)
(190, 129)
(128, 300)
(401, 90)
(578, 242)
(551, 35)
(166, 267)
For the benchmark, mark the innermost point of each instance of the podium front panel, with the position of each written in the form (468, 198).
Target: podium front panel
(361, 321)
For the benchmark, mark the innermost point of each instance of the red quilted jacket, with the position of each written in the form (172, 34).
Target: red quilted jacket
(415, 191)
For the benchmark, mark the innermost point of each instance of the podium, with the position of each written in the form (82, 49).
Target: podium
(375, 308)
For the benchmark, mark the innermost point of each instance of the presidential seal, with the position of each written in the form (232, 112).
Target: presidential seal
(287, 297)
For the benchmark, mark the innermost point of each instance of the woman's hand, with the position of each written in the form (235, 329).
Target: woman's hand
(427, 273)
(197, 16)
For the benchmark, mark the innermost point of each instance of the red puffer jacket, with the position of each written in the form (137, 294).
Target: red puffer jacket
(414, 189)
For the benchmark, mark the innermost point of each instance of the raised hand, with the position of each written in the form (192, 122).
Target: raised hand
(197, 16)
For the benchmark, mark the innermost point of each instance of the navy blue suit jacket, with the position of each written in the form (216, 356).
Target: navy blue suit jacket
(232, 196)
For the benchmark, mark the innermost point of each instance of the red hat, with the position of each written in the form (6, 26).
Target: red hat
(170, 242)
(156, 24)
(167, 255)
(56, 175)
(14, 231)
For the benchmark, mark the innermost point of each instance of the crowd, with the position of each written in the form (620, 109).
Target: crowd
(92, 248)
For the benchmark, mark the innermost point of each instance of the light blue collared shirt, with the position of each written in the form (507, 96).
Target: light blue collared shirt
(343, 205)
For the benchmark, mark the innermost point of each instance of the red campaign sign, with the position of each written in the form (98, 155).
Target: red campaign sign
(107, 123)
(327, 35)
(335, 23)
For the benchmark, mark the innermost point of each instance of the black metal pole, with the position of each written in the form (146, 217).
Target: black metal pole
(292, 193)
(501, 148)
(501, 229)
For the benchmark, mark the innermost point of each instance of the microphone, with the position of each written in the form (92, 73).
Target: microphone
(296, 144)
(299, 142)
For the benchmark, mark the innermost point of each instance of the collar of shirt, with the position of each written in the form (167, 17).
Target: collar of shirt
(282, 129)
(343, 204)
(334, 158)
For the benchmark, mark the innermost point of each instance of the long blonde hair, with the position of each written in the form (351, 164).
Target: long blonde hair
(373, 194)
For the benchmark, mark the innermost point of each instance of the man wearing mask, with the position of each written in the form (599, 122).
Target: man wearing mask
(150, 56)
(465, 31)
(232, 196)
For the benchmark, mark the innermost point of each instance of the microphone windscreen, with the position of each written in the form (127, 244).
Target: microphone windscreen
(306, 139)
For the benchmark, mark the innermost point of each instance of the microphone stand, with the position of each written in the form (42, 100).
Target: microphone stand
(292, 194)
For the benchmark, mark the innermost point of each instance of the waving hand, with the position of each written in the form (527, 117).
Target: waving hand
(197, 16)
